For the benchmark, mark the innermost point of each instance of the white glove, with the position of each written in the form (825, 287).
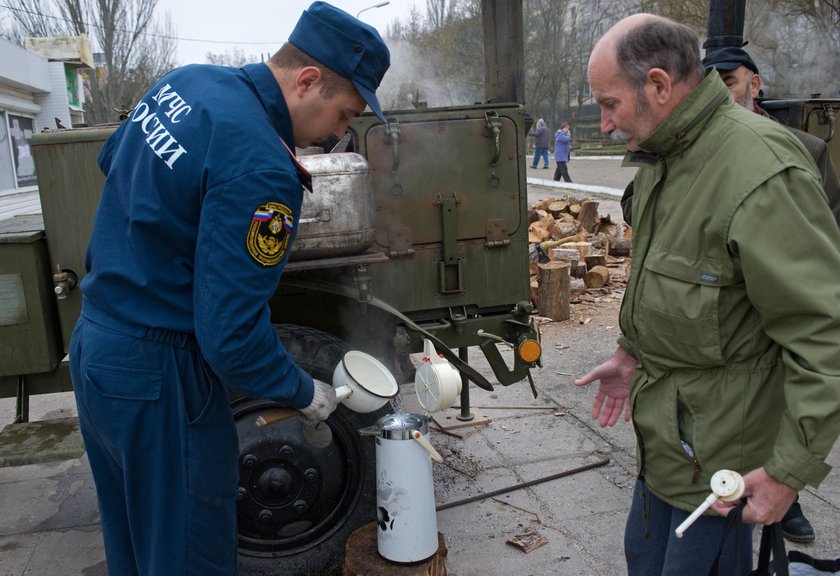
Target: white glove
(323, 402)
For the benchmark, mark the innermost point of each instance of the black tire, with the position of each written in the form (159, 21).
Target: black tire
(303, 488)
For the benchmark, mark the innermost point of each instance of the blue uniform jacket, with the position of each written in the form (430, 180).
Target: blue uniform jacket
(199, 210)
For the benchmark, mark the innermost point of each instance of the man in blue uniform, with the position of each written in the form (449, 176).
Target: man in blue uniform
(200, 207)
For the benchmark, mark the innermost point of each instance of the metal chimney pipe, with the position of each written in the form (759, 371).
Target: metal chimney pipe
(726, 24)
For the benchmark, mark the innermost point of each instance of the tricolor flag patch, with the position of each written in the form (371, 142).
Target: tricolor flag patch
(269, 233)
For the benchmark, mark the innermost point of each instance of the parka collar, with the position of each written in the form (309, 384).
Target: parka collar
(686, 122)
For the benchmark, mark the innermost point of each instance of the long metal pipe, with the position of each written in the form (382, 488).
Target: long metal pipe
(492, 493)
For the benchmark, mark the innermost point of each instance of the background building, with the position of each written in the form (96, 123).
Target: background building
(40, 88)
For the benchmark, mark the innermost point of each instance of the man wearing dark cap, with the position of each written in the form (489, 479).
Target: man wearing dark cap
(198, 214)
(740, 74)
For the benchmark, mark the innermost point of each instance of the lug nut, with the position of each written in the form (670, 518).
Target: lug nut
(249, 460)
(311, 474)
(241, 494)
(300, 506)
(286, 450)
(265, 516)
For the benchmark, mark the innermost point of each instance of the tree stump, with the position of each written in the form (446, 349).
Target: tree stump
(361, 558)
(553, 278)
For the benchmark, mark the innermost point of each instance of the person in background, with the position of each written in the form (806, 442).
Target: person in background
(199, 211)
(562, 154)
(726, 359)
(540, 134)
(740, 74)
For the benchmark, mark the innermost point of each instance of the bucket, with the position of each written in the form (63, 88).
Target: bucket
(362, 383)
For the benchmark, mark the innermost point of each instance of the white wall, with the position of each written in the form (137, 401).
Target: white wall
(54, 104)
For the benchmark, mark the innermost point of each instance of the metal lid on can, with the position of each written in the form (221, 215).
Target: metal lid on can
(398, 426)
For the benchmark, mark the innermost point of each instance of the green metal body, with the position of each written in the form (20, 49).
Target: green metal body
(449, 257)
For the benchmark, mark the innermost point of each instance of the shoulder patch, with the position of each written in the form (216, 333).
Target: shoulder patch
(269, 233)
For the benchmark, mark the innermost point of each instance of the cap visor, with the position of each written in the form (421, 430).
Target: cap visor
(371, 100)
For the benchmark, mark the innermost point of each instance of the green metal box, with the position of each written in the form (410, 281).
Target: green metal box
(70, 184)
(29, 341)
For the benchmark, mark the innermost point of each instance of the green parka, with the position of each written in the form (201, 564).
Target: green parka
(732, 308)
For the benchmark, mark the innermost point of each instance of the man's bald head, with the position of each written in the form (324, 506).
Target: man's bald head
(641, 42)
(652, 57)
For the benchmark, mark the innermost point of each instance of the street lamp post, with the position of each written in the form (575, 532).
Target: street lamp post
(379, 5)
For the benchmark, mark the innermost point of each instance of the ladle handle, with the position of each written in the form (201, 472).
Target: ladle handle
(424, 442)
(342, 393)
(727, 486)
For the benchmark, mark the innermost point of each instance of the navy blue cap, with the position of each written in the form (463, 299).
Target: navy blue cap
(729, 58)
(345, 45)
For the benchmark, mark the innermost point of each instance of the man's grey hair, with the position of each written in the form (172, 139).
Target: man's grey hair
(659, 43)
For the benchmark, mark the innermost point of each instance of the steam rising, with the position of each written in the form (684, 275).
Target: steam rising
(413, 79)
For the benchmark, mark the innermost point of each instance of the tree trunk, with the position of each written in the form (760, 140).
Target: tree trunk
(361, 558)
(553, 280)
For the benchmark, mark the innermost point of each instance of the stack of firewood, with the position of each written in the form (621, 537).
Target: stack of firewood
(577, 237)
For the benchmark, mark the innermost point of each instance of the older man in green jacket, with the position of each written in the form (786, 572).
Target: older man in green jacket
(730, 350)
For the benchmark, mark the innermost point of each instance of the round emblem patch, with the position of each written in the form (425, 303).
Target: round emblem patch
(269, 233)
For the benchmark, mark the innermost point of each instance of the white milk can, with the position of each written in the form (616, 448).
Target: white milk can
(405, 495)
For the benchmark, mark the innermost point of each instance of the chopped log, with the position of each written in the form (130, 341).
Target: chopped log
(583, 248)
(532, 237)
(539, 230)
(588, 216)
(553, 278)
(564, 228)
(597, 277)
(595, 260)
(361, 557)
(535, 293)
(557, 208)
(620, 246)
(565, 255)
(543, 204)
(574, 209)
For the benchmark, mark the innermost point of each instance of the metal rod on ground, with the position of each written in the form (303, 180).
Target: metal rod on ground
(513, 407)
(478, 497)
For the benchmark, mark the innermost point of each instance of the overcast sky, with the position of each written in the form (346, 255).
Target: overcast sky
(258, 26)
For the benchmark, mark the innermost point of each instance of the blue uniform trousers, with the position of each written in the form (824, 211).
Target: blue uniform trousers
(652, 549)
(162, 447)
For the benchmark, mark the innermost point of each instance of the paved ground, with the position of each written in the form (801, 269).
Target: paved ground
(50, 526)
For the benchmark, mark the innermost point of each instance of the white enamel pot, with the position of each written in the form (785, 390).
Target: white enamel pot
(362, 383)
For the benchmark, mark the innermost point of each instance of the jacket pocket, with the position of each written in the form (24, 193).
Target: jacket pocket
(677, 318)
(124, 383)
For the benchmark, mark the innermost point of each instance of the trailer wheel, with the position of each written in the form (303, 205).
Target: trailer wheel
(303, 488)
